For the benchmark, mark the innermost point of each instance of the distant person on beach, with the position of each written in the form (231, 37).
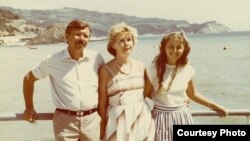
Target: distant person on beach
(73, 74)
(125, 115)
(171, 84)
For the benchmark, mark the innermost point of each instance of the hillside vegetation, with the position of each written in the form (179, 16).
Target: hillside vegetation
(49, 25)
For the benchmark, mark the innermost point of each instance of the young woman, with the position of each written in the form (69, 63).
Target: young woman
(125, 115)
(171, 83)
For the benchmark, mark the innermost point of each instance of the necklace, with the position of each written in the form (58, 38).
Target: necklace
(125, 69)
(172, 76)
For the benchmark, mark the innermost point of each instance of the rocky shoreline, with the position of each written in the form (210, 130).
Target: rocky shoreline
(48, 25)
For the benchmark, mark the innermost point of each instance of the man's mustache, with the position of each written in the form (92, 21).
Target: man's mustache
(82, 42)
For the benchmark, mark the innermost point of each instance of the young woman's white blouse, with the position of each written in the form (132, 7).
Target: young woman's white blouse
(176, 95)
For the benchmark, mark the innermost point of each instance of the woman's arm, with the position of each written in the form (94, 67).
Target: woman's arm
(197, 97)
(148, 88)
(102, 99)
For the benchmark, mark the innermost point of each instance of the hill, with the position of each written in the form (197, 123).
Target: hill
(12, 24)
(49, 24)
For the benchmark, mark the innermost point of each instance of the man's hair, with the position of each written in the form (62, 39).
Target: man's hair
(76, 24)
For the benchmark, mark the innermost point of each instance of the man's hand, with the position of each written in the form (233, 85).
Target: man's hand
(30, 115)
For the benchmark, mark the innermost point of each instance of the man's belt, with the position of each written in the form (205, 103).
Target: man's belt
(77, 113)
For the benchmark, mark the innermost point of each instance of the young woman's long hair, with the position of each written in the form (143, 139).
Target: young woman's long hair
(161, 59)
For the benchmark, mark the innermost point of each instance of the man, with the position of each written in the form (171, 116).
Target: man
(73, 74)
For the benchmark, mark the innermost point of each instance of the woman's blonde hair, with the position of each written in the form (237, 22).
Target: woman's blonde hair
(116, 31)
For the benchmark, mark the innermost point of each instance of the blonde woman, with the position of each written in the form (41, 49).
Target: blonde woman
(125, 115)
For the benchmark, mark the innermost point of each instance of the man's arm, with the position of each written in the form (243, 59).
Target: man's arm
(29, 113)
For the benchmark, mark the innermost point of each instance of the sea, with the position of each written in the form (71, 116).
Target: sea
(222, 74)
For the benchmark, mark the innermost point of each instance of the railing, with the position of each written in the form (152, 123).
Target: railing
(231, 112)
(195, 113)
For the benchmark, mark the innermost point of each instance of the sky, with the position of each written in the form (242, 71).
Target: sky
(234, 14)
